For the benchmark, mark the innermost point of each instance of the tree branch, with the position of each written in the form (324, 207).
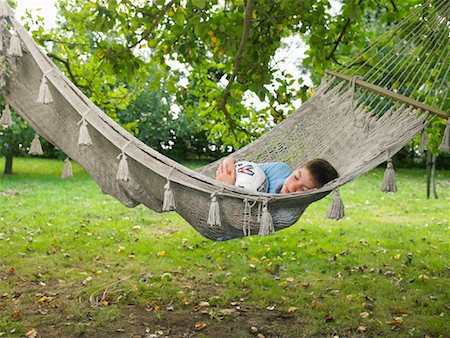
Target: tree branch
(393, 5)
(67, 66)
(237, 62)
(339, 39)
(147, 33)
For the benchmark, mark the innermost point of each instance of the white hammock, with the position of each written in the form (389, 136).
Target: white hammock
(354, 124)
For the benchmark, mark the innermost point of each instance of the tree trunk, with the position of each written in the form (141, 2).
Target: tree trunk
(8, 164)
(428, 173)
(433, 175)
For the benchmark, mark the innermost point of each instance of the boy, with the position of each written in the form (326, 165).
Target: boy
(281, 178)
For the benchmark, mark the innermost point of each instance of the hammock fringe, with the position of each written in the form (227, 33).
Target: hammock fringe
(15, 48)
(389, 182)
(424, 138)
(5, 10)
(6, 119)
(169, 200)
(445, 144)
(336, 210)
(67, 171)
(45, 96)
(214, 212)
(84, 139)
(266, 228)
(35, 147)
(123, 173)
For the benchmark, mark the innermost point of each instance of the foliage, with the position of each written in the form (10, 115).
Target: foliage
(224, 50)
(84, 260)
(151, 118)
(14, 140)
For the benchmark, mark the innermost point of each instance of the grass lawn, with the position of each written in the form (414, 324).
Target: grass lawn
(75, 262)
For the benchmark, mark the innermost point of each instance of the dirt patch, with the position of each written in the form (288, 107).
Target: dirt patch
(137, 322)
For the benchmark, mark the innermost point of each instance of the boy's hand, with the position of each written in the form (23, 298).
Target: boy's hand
(226, 172)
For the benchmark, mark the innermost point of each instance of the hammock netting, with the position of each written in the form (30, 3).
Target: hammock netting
(360, 116)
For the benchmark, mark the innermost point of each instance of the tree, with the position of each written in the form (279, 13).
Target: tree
(150, 118)
(223, 49)
(14, 141)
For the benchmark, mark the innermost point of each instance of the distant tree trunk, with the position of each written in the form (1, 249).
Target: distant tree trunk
(8, 164)
(428, 173)
(431, 174)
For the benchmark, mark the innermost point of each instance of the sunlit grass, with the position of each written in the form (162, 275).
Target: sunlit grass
(382, 270)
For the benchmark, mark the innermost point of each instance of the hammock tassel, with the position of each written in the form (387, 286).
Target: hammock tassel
(45, 96)
(214, 212)
(389, 183)
(169, 200)
(6, 119)
(123, 173)
(5, 11)
(424, 138)
(445, 144)
(266, 228)
(15, 49)
(84, 139)
(67, 172)
(336, 210)
(36, 148)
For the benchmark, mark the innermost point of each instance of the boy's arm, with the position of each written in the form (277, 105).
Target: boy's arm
(226, 172)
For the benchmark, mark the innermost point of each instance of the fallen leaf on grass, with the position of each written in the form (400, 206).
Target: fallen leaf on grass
(395, 321)
(423, 277)
(200, 326)
(166, 277)
(292, 309)
(362, 328)
(200, 305)
(32, 333)
(364, 314)
(86, 280)
(162, 253)
(43, 299)
(229, 312)
(283, 284)
(400, 310)
(312, 304)
(17, 314)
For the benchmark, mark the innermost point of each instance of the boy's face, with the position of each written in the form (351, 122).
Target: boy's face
(300, 180)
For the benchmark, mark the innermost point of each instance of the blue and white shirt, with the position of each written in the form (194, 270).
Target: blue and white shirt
(276, 173)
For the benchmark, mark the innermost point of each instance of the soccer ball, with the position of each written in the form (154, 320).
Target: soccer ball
(250, 176)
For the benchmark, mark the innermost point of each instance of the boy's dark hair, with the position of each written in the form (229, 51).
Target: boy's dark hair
(321, 171)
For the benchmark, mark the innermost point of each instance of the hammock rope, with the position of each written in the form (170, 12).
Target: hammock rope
(389, 90)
